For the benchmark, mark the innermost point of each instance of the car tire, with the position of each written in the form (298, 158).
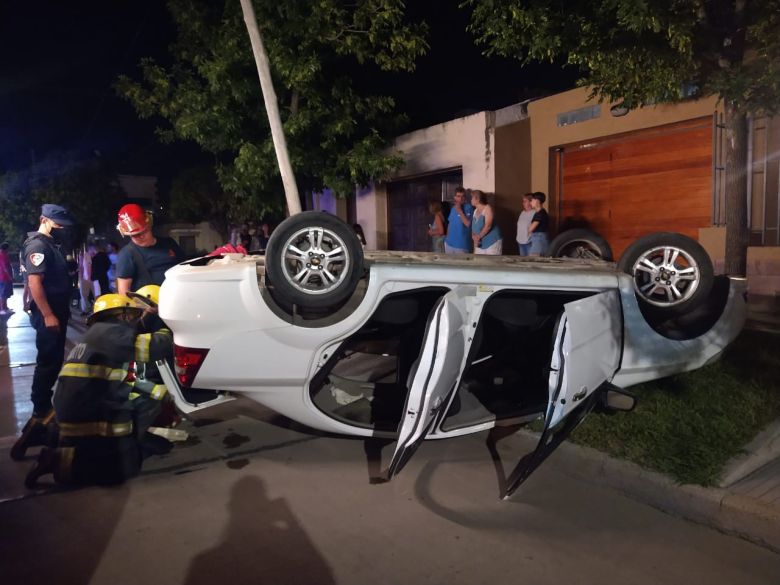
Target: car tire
(580, 243)
(313, 260)
(672, 273)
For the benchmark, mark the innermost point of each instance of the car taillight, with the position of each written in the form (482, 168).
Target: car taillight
(187, 361)
(130, 372)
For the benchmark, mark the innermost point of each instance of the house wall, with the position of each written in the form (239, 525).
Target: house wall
(467, 142)
(546, 134)
(763, 262)
(371, 214)
(513, 177)
(326, 201)
(206, 237)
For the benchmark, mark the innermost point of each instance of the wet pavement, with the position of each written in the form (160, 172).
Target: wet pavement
(17, 363)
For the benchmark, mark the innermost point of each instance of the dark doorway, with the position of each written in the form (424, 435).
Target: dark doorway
(407, 214)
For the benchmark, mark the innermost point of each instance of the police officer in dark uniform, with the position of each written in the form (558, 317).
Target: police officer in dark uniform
(50, 290)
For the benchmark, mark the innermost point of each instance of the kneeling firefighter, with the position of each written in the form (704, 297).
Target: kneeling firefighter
(102, 410)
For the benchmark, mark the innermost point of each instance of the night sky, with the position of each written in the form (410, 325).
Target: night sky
(59, 59)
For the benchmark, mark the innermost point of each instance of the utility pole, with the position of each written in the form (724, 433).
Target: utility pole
(272, 108)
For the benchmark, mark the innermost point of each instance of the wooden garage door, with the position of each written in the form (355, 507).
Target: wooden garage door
(626, 187)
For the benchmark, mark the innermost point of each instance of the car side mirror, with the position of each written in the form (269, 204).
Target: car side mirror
(614, 399)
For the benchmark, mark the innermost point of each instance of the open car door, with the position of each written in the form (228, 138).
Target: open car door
(436, 373)
(586, 354)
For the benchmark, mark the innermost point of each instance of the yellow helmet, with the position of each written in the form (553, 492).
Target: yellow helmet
(148, 295)
(111, 304)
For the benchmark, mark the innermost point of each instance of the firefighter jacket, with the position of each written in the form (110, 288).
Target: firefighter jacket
(94, 394)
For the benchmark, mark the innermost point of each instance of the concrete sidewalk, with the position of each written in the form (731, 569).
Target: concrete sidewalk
(748, 508)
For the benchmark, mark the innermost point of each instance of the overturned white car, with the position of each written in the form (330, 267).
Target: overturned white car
(424, 346)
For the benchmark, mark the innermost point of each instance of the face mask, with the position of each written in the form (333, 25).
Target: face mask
(61, 236)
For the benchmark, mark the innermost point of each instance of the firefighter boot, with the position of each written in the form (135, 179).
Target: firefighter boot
(34, 433)
(48, 462)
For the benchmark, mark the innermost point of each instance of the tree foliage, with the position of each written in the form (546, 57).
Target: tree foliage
(643, 52)
(86, 186)
(319, 51)
(196, 195)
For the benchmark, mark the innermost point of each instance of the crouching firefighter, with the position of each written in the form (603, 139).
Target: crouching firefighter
(103, 413)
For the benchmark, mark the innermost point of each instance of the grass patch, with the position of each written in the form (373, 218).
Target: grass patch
(688, 426)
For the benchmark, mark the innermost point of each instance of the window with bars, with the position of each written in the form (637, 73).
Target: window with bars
(763, 178)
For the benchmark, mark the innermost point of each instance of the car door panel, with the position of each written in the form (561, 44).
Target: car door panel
(436, 373)
(586, 354)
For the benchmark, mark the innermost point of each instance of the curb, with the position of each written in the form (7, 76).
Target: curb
(733, 514)
(763, 449)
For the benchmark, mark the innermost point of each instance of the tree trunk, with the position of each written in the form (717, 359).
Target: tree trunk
(272, 108)
(736, 191)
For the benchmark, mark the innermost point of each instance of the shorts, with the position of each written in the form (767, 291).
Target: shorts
(494, 249)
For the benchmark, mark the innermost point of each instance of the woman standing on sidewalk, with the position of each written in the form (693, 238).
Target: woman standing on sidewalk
(485, 233)
(436, 229)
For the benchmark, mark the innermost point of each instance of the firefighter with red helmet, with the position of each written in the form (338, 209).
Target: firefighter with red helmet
(103, 413)
(146, 257)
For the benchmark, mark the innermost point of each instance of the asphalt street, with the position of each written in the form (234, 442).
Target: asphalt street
(250, 498)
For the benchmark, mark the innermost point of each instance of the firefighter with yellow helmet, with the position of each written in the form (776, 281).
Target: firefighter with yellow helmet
(103, 413)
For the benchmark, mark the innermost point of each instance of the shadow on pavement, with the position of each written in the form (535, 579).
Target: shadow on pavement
(263, 543)
(46, 542)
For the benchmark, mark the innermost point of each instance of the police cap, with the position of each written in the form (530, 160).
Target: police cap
(58, 214)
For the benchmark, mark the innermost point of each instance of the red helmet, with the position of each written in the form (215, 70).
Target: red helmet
(133, 220)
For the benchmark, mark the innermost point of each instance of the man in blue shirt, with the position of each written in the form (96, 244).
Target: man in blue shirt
(458, 240)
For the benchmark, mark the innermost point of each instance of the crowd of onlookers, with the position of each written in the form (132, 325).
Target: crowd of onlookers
(250, 236)
(470, 226)
(93, 271)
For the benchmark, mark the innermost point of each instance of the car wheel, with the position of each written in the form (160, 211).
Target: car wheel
(313, 260)
(672, 273)
(580, 243)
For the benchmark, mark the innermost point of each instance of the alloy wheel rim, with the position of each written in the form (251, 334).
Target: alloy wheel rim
(315, 260)
(666, 276)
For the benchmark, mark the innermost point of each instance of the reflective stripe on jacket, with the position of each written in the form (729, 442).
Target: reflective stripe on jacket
(150, 347)
(92, 391)
(98, 428)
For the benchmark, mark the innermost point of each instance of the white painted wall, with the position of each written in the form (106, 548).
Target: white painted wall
(325, 201)
(367, 212)
(206, 237)
(465, 142)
